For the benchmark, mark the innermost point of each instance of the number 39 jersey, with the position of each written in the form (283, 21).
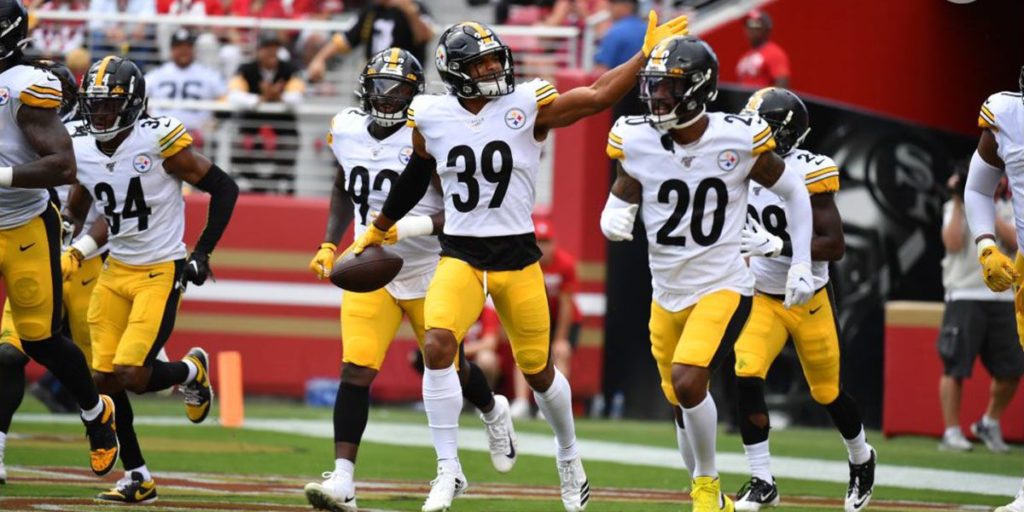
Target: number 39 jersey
(487, 162)
(822, 177)
(141, 201)
(371, 168)
(694, 202)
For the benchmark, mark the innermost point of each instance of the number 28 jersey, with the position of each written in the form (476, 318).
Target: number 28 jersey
(694, 202)
(143, 204)
(371, 168)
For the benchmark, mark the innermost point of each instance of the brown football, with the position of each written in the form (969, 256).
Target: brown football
(366, 272)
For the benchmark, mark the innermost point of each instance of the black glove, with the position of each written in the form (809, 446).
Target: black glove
(197, 269)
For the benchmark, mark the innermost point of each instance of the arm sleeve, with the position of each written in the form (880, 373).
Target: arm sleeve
(982, 180)
(223, 194)
(410, 187)
(798, 207)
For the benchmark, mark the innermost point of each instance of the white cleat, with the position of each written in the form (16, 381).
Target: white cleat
(501, 437)
(1016, 506)
(3, 472)
(444, 489)
(575, 487)
(337, 493)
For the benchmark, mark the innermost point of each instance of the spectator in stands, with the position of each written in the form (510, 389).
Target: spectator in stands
(381, 24)
(976, 322)
(765, 64)
(310, 41)
(573, 12)
(269, 140)
(55, 38)
(185, 79)
(118, 36)
(78, 61)
(623, 39)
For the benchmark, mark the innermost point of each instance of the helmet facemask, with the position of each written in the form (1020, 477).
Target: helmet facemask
(18, 29)
(108, 113)
(675, 100)
(488, 84)
(387, 98)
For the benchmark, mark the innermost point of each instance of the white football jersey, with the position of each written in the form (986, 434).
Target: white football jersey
(141, 201)
(694, 202)
(196, 82)
(22, 85)
(488, 162)
(64, 191)
(1003, 114)
(371, 168)
(822, 177)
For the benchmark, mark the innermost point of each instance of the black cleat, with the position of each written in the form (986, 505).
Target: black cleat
(131, 489)
(199, 392)
(862, 483)
(757, 494)
(102, 435)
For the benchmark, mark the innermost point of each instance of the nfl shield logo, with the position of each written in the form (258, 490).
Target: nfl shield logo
(515, 118)
(688, 160)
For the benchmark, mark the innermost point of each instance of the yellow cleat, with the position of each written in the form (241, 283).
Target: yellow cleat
(103, 445)
(707, 495)
(198, 393)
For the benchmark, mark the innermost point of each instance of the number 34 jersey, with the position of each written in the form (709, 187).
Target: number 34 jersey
(694, 202)
(822, 177)
(142, 203)
(371, 168)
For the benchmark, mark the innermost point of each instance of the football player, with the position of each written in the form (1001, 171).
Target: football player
(690, 170)
(36, 153)
(485, 138)
(130, 169)
(370, 144)
(812, 327)
(1000, 152)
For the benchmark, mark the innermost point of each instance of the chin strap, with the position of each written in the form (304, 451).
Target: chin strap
(691, 122)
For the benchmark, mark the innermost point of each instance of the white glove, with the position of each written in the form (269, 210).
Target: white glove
(799, 285)
(617, 219)
(755, 240)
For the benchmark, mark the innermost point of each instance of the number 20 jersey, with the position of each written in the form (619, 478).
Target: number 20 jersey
(694, 202)
(371, 168)
(143, 204)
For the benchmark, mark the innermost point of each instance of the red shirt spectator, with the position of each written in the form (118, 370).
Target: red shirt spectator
(765, 64)
(559, 273)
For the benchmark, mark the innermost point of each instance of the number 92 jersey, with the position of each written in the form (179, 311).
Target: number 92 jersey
(141, 201)
(694, 202)
(822, 177)
(371, 168)
(488, 161)
(1003, 115)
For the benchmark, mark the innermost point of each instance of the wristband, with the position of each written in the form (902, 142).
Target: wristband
(329, 245)
(6, 176)
(415, 225)
(86, 246)
(984, 244)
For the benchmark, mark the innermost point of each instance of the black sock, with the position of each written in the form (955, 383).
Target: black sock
(12, 383)
(845, 415)
(351, 410)
(166, 375)
(131, 453)
(476, 389)
(754, 423)
(66, 361)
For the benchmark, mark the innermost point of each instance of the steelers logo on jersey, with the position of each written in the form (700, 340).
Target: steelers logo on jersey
(728, 159)
(5, 96)
(142, 163)
(405, 155)
(515, 118)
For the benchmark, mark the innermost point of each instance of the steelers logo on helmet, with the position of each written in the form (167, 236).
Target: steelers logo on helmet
(678, 80)
(113, 97)
(142, 163)
(387, 85)
(785, 113)
(5, 96)
(476, 63)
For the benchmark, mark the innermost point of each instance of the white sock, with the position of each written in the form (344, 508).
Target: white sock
(193, 371)
(344, 466)
(556, 404)
(91, 414)
(684, 448)
(442, 399)
(858, 447)
(760, 460)
(142, 470)
(3, 445)
(494, 414)
(952, 431)
(989, 422)
(701, 428)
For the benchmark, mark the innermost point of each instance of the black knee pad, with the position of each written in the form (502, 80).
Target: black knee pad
(11, 356)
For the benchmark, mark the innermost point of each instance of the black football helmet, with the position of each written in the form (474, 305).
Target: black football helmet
(388, 84)
(463, 46)
(113, 97)
(13, 28)
(785, 113)
(678, 80)
(69, 87)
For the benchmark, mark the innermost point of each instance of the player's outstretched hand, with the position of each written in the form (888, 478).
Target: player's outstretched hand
(799, 285)
(323, 262)
(197, 269)
(997, 269)
(755, 240)
(678, 26)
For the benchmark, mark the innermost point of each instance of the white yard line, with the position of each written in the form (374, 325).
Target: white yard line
(472, 437)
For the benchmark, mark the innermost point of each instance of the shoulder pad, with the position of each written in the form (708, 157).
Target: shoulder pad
(168, 134)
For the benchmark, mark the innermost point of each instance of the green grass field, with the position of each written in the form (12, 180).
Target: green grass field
(210, 467)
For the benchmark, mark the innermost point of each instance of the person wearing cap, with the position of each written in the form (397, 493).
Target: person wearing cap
(559, 269)
(184, 79)
(765, 64)
(268, 139)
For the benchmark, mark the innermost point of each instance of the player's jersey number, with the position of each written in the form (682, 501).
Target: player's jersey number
(134, 205)
(500, 176)
(773, 218)
(679, 191)
(359, 187)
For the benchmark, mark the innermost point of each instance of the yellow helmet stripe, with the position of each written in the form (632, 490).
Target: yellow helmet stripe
(103, 69)
(393, 59)
(485, 35)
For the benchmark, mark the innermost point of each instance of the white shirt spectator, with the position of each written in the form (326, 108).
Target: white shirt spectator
(194, 82)
(136, 7)
(57, 38)
(961, 274)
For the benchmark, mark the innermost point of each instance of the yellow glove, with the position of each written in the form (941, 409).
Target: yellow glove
(372, 236)
(657, 33)
(997, 270)
(1018, 303)
(323, 262)
(70, 262)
